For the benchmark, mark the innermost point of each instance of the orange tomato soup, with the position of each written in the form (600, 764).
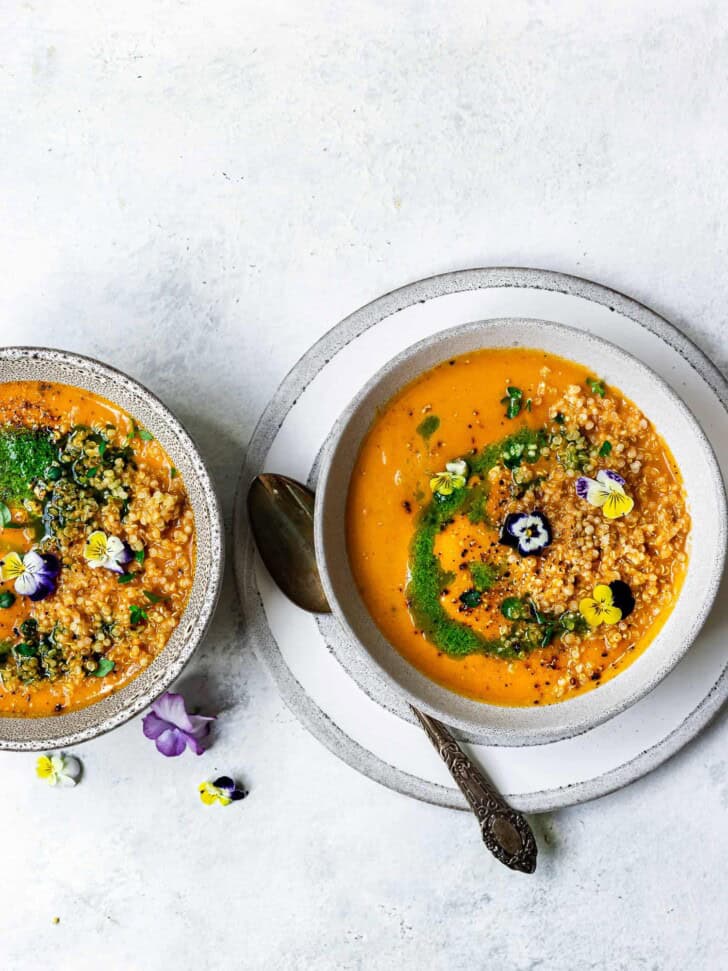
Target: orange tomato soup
(97, 548)
(516, 528)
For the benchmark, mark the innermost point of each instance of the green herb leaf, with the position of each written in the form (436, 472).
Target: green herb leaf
(154, 597)
(596, 386)
(145, 435)
(559, 418)
(513, 608)
(105, 667)
(605, 449)
(125, 577)
(512, 401)
(7, 599)
(139, 556)
(428, 426)
(92, 472)
(471, 598)
(26, 650)
(102, 448)
(136, 615)
(5, 515)
(173, 473)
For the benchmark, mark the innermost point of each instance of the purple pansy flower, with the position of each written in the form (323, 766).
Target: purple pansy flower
(172, 728)
(35, 574)
(607, 492)
(527, 532)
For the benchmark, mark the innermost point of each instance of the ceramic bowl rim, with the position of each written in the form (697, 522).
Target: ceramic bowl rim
(209, 561)
(501, 736)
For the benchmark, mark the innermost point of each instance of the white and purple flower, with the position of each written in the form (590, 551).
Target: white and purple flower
(107, 551)
(172, 728)
(527, 532)
(35, 574)
(607, 492)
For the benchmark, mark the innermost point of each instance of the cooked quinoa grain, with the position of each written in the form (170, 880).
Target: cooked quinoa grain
(113, 605)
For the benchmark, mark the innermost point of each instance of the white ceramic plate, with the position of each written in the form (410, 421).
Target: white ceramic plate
(377, 739)
(365, 652)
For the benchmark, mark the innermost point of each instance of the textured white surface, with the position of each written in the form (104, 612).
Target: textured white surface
(194, 192)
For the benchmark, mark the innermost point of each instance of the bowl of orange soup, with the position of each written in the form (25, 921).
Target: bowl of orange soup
(520, 528)
(110, 548)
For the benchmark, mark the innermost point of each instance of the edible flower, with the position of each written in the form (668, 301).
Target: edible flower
(606, 491)
(35, 574)
(527, 532)
(172, 728)
(57, 770)
(107, 551)
(608, 604)
(454, 477)
(222, 790)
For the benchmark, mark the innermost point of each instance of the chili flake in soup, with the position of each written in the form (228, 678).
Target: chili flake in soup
(97, 548)
(516, 528)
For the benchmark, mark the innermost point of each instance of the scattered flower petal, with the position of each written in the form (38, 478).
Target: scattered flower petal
(527, 532)
(57, 770)
(35, 574)
(454, 477)
(607, 492)
(172, 728)
(600, 608)
(107, 551)
(222, 790)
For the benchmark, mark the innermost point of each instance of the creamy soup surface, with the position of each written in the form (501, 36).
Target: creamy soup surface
(516, 527)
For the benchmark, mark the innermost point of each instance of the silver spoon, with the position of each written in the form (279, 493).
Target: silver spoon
(281, 518)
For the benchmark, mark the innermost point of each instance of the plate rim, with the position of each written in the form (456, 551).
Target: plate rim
(256, 632)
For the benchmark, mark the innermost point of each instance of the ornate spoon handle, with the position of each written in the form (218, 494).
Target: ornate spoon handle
(506, 832)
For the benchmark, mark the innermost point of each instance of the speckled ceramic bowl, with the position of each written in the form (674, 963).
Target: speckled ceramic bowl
(374, 663)
(30, 364)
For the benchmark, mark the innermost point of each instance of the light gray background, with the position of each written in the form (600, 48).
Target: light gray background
(195, 191)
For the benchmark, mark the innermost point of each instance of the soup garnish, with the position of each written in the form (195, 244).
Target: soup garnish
(517, 527)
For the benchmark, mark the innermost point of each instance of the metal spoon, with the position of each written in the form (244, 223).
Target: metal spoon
(281, 516)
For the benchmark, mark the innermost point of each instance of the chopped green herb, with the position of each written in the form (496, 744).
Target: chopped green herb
(102, 448)
(24, 458)
(145, 435)
(428, 426)
(92, 472)
(136, 615)
(5, 515)
(125, 577)
(7, 599)
(173, 473)
(513, 608)
(154, 598)
(596, 386)
(139, 556)
(471, 598)
(26, 650)
(105, 666)
(605, 449)
(559, 418)
(512, 401)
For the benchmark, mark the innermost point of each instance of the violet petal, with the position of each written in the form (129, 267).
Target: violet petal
(171, 742)
(153, 725)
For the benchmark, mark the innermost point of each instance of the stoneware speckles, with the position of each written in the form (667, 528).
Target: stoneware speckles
(33, 364)
(494, 724)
